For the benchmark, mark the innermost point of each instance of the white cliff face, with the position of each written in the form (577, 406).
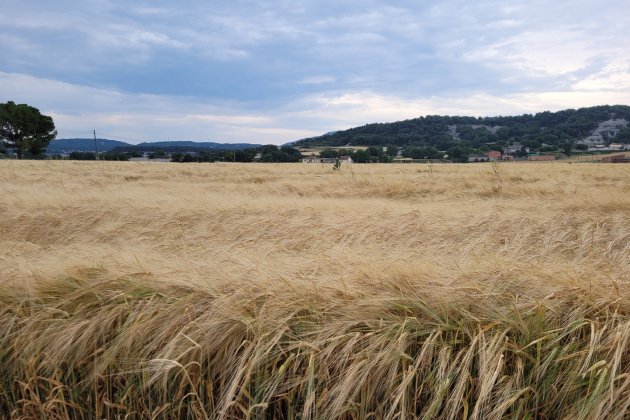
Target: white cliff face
(491, 128)
(452, 129)
(607, 129)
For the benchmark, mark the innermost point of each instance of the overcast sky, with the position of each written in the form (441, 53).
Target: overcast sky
(276, 71)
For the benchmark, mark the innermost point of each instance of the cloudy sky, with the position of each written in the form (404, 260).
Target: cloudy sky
(275, 71)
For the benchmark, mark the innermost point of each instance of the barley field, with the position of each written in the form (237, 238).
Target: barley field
(480, 291)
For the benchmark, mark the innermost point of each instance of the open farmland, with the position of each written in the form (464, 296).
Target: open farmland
(295, 291)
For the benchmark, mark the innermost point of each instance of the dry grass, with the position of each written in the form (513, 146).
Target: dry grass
(294, 291)
(594, 158)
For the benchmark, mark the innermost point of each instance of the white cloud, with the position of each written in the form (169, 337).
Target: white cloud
(614, 76)
(124, 36)
(140, 117)
(346, 110)
(543, 53)
(274, 71)
(137, 117)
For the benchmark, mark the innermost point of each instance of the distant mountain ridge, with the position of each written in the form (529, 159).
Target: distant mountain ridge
(198, 145)
(563, 130)
(83, 145)
(107, 145)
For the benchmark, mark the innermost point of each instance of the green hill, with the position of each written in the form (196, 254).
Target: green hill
(561, 130)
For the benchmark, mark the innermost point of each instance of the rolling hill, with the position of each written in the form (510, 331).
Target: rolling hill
(106, 145)
(197, 145)
(588, 126)
(82, 145)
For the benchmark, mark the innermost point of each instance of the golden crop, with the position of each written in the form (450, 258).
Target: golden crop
(295, 291)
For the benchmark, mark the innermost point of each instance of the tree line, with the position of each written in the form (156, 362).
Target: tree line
(268, 153)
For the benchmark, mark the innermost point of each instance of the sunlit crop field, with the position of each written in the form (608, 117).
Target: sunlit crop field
(164, 290)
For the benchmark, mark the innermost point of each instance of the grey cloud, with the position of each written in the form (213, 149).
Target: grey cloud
(400, 56)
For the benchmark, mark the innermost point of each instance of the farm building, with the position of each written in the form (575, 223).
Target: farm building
(478, 158)
(493, 155)
(514, 148)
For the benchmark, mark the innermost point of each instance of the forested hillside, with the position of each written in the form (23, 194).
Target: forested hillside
(561, 130)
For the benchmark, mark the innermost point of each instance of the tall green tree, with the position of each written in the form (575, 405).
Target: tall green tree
(458, 154)
(25, 129)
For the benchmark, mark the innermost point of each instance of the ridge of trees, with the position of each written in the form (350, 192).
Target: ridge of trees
(268, 153)
(556, 130)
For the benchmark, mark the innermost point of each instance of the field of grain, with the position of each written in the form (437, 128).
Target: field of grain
(133, 290)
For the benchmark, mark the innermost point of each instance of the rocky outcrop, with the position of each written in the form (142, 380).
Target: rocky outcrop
(605, 130)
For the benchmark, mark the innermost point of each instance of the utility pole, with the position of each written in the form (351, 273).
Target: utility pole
(95, 145)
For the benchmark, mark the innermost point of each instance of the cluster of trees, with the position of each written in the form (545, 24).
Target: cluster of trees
(246, 155)
(385, 154)
(373, 154)
(551, 130)
(420, 152)
(622, 137)
(112, 155)
(271, 153)
(268, 153)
